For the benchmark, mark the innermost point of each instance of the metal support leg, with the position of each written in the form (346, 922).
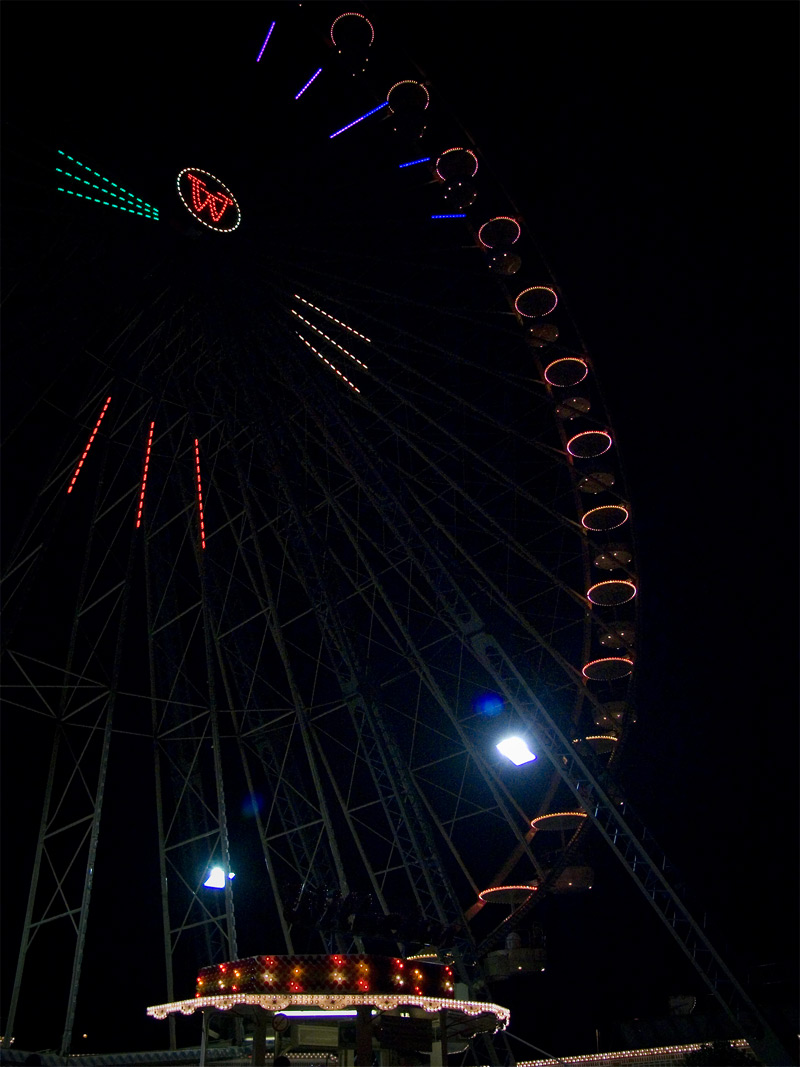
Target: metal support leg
(364, 1036)
(204, 1037)
(439, 1048)
(261, 1018)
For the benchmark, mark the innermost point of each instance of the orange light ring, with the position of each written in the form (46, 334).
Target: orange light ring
(493, 888)
(557, 815)
(607, 659)
(593, 433)
(530, 289)
(605, 507)
(612, 581)
(567, 359)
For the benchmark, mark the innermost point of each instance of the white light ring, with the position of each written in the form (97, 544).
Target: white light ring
(577, 816)
(605, 507)
(587, 433)
(447, 152)
(608, 659)
(408, 81)
(499, 218)
(530, 289)
(357, 14)
(612, 581)
(335, 1002)
(529, 889)
(567, 359)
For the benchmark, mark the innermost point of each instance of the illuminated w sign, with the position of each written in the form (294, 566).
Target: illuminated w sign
(208, 199)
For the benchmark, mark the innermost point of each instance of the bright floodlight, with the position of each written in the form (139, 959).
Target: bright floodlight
(515, 749)
(216, 879)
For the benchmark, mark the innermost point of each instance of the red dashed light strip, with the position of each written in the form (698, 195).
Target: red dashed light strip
(329, 339)
(89, 445)
(328, 363)
(331, 317)
(144, 476)
(199, 493)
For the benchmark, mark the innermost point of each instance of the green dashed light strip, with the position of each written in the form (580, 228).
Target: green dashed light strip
(130, 203)
(108, 203)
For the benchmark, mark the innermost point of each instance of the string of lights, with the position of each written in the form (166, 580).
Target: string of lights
(88, 446)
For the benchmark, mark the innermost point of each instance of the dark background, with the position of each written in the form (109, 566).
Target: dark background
(652, 149)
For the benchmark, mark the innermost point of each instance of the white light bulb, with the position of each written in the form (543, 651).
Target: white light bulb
(216, 879)
(515, 749)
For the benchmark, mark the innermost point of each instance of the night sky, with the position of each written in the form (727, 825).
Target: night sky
(652, 149)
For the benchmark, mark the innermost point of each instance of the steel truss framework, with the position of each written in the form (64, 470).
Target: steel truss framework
(373, 563)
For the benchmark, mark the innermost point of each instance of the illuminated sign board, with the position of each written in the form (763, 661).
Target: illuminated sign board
(211, 202)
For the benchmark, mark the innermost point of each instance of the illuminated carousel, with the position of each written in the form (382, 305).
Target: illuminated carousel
(353, 1005)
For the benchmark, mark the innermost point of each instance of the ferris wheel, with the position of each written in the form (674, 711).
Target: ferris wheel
(337, 517)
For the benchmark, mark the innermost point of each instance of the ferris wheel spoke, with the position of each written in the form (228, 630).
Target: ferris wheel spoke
(533, 562)
(408, 646)
(335, 636)
(259, 580)
(374, 480)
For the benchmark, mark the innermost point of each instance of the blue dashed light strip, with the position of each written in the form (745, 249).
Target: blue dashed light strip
(310, 80)
(361, 118)
(425, 159)
(463, 215)
(264, 45)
